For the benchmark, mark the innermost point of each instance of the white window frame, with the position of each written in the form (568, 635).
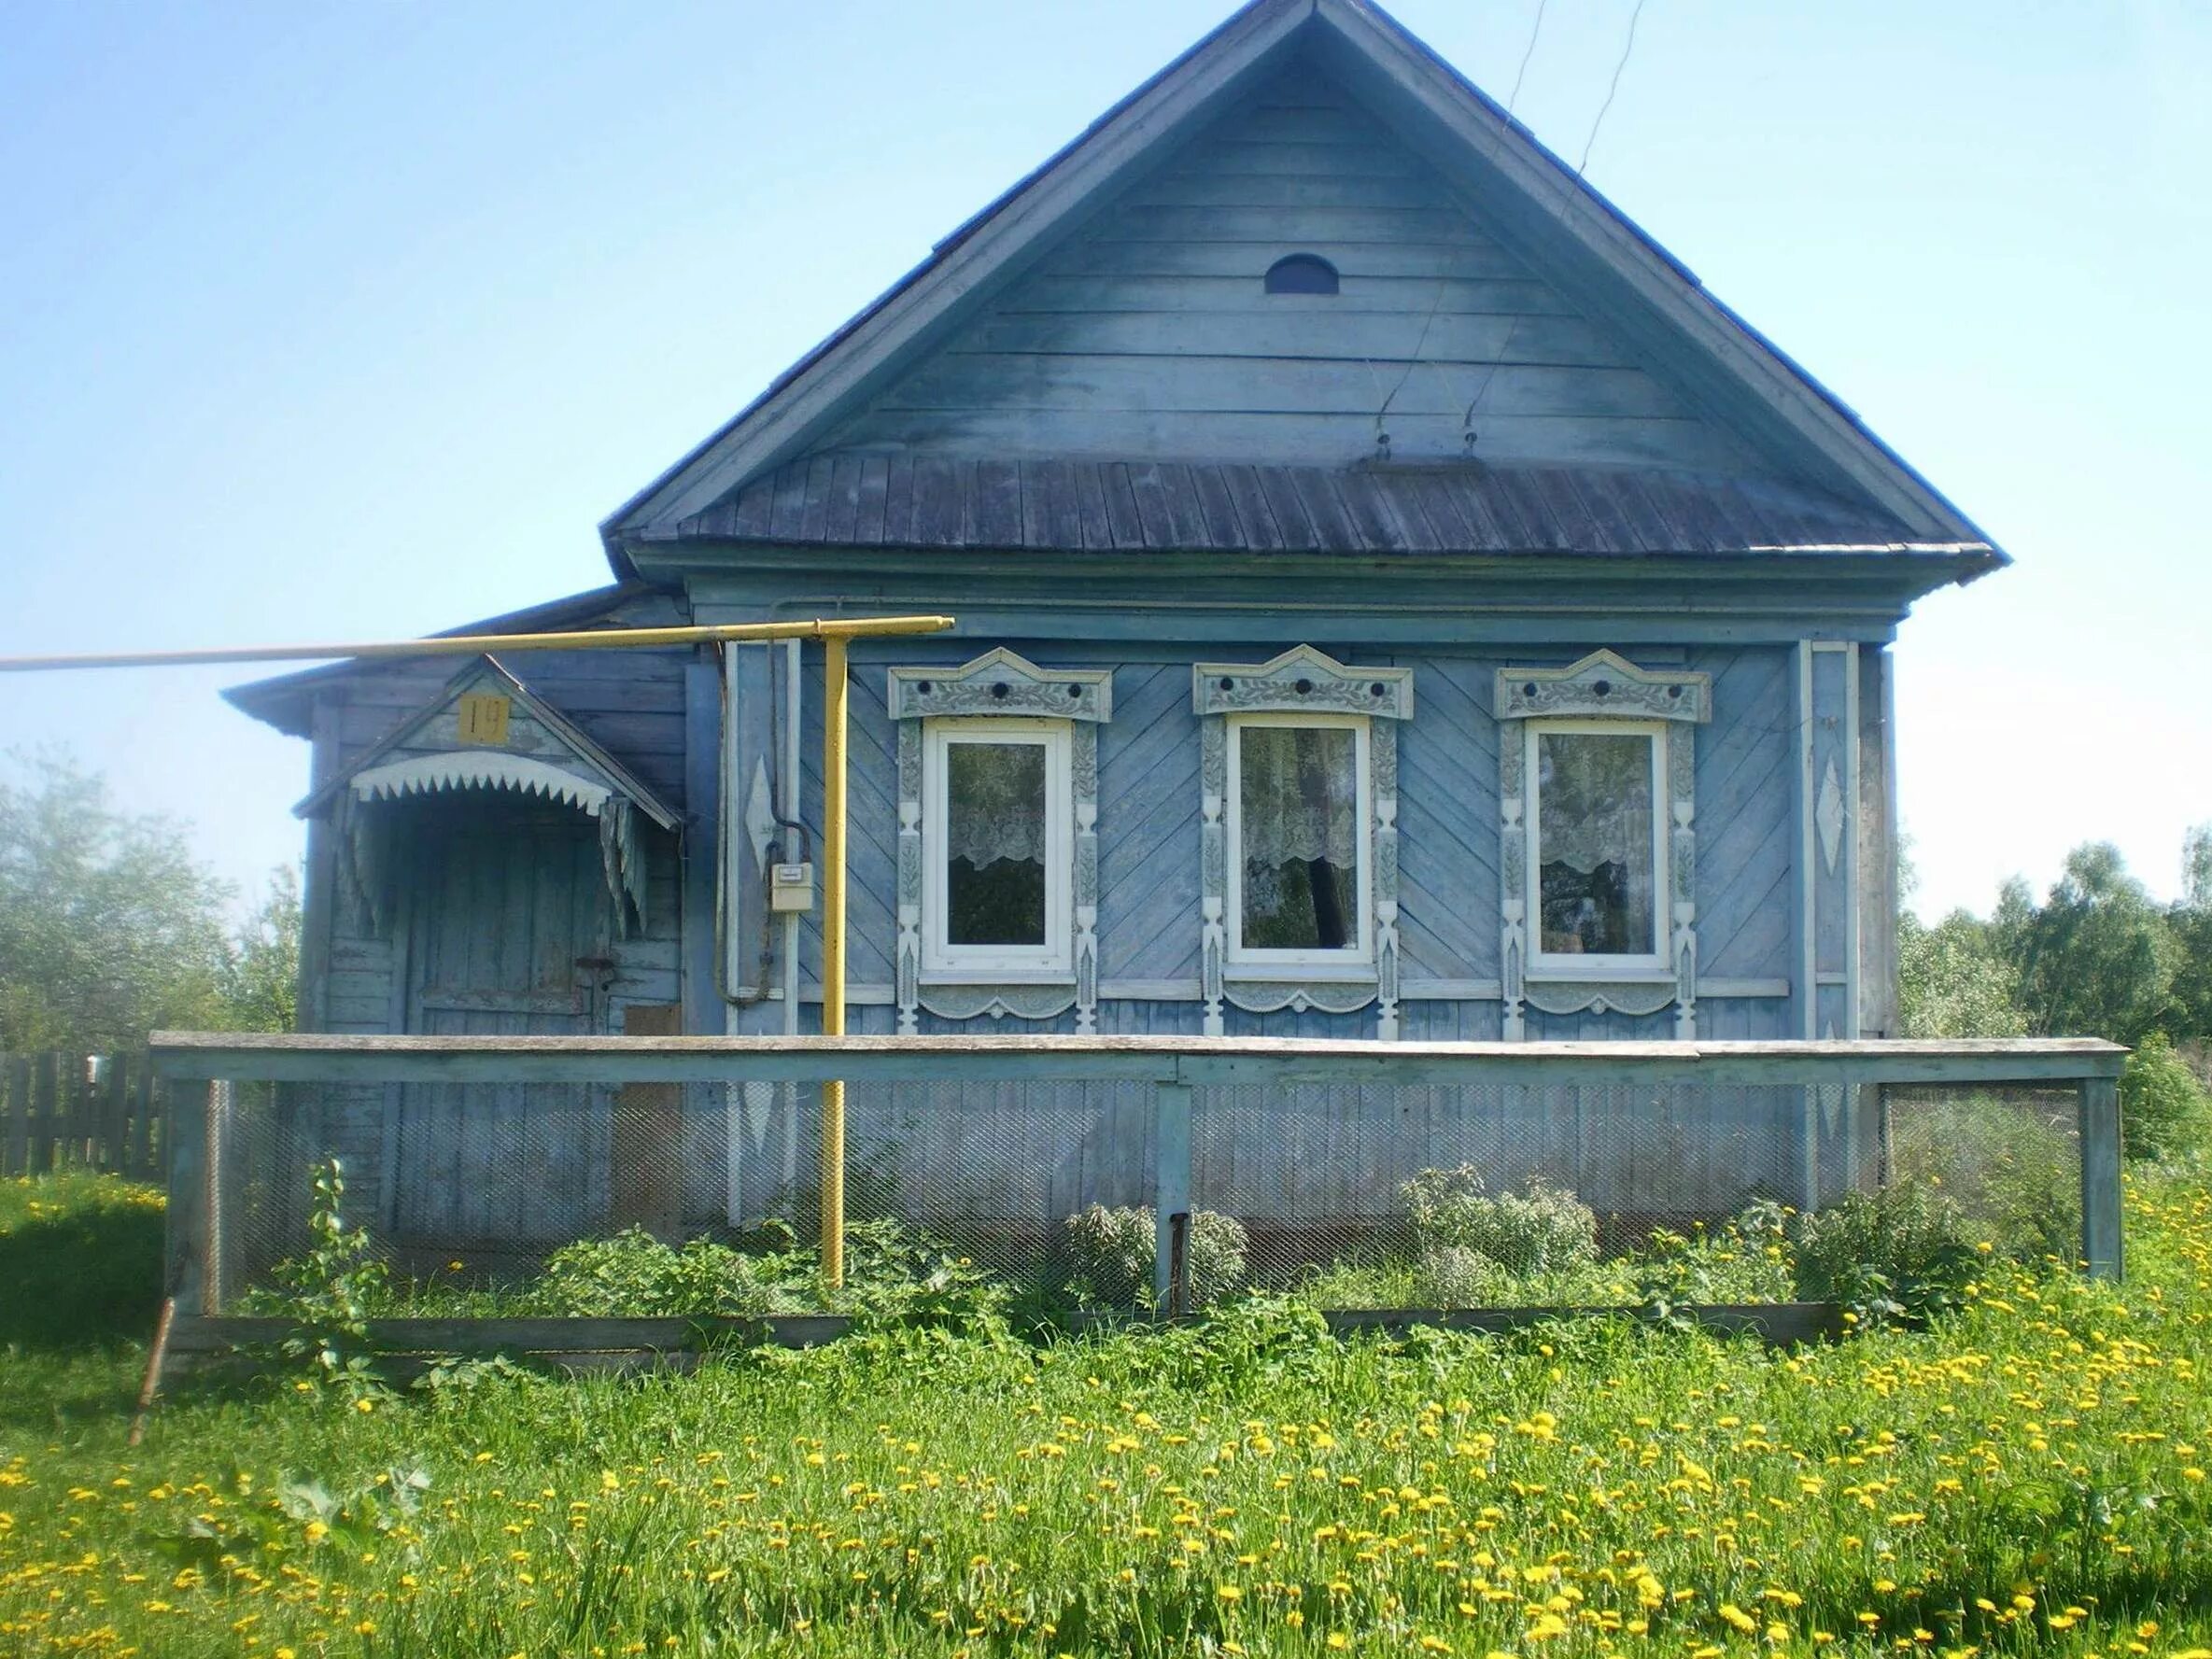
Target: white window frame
(1572, 965)
(944, 962)
(1358, 962)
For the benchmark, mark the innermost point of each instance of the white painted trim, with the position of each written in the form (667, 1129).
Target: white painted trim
(1651, 966)
(1355, 964)
(1053, 961)
(1412, 990)
(1853, 807)
(1808, 871)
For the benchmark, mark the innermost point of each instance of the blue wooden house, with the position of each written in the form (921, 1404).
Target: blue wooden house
(1395, 601)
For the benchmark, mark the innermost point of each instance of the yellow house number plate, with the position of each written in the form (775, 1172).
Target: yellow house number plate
(484, 718)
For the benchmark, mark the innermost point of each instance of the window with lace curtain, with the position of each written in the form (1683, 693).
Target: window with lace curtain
(1597, 843)
(1298, 839)
(997, 840)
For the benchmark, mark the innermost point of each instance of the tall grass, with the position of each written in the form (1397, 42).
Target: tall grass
(2027, 1476)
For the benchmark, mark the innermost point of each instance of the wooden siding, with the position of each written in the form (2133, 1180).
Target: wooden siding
(631, 702)
(1148, 334)
(1746, 771)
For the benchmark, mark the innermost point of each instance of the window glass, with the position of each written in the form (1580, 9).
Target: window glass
(994, 844)
(1298, 819)
(1596, 895)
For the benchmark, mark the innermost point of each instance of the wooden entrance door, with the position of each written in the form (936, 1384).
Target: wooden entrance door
(507, 925)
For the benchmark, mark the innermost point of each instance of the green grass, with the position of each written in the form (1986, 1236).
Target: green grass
(2026, 1477)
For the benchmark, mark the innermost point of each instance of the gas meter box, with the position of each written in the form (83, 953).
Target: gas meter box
(791, 887)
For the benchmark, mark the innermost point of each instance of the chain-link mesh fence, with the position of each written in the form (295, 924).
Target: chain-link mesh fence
(473, 1195)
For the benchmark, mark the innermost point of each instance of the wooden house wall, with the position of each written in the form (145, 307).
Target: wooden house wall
(1334, 1157)
(633, 703)
(1148, 333)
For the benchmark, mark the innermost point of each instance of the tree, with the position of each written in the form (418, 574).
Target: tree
(2192, 924)
(1953, 981)
(109, 928)
(261, 982)
(2097, 958)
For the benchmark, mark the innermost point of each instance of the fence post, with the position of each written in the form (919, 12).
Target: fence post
(83, 1121)
(2100, 1178)
(1171, 1188)
(138, 1158)
(15, 1152)
(45, 1078)
(115, 1114)
(188, 1183)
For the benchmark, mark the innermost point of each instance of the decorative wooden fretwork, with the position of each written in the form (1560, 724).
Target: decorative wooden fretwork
(1001, 682)
(1301, 681)
(1602, 686)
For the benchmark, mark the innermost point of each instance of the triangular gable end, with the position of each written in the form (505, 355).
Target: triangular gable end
(485, 729)
(1535, 267)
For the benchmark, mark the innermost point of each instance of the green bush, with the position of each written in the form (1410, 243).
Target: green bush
(635, 1274)
(80, 1260)
(1105, 1257)
(1540, 1230)
(1455, 1276)
(2162, 1107)
(1907, 1250)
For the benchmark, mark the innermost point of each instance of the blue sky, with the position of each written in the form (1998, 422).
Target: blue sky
(342, 321)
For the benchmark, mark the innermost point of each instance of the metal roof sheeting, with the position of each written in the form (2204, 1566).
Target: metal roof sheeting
(1073, 506)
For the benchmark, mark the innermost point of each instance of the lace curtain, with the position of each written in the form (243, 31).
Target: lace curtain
(1594, 806)
(1299, 794)
(995, 799)
(1594, 803)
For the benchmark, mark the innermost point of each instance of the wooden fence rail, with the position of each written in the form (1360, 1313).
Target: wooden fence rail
(99, 1112)
(215, 1063)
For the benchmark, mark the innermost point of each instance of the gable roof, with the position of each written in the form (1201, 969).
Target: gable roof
(1556, 218)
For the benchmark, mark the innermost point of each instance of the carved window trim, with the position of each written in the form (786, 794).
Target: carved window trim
(1602, 688)
(1301, 681)
(1000, 683)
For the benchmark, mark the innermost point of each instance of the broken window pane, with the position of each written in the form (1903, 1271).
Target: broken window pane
(1298, 816)
(994, 844)
(1597, 877)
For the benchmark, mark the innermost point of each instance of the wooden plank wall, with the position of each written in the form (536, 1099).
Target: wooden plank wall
(634, 703)
(1150, 333)
(55, 1116)
(1327, 1153)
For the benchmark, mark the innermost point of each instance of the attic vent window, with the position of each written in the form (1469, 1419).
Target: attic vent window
(1302, 274)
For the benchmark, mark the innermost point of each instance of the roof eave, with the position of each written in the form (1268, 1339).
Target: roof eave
(285, 702)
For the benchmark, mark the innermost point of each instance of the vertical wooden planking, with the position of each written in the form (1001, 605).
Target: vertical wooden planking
(318, 908)
(44, 1130)
(15, 1114)
(2101, 1244)
(140, 1164)
(704, 815)
(115, 1115)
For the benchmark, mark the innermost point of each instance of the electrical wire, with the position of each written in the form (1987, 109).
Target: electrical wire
(1527, 52)
(1627, 47)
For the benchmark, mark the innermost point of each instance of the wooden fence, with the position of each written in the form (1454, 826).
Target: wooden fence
(74, 1111)
(211, 1139)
